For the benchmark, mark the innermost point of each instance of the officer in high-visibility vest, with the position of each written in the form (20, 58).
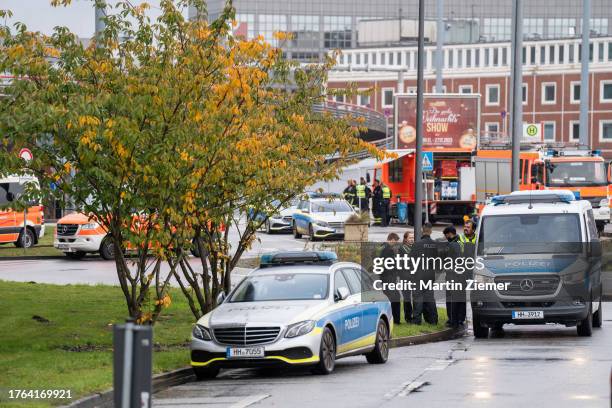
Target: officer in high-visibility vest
(363, 195)
(385, 204)
(465, 248)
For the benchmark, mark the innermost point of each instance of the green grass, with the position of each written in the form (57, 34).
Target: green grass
(404, 329)
(43, 248)
(36, 355)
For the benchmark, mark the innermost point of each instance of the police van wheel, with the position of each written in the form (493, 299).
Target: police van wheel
(296, 234)
(585, 327)
(327, 353)
(597, 316)
(205, 373)
(480, 331)
(380, 354)
(107, 249)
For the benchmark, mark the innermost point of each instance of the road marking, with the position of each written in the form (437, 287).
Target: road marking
(253, 399)
(413, 386)
(439, 365)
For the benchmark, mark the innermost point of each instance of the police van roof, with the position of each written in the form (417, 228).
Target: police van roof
(575, 206)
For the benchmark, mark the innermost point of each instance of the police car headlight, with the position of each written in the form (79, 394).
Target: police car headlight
(90, 226)
(299, 329)
(322, 224)
(201, 332)
(604, 202)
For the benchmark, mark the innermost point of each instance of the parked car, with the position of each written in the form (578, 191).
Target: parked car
(321, 216)
(296, 309)
(23, 228)
(78, 234)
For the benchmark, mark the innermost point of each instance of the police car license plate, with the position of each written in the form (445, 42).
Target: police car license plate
(245, 352)
(62, 246)
(528, 314)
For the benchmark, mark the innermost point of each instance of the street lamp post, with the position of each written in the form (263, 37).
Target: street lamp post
(418, 193)
(517, 90)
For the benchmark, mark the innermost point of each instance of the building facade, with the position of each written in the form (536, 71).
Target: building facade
(320, 25)
(551, 83)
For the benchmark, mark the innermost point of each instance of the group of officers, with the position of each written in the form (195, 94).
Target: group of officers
(359, 195)
(419, 304)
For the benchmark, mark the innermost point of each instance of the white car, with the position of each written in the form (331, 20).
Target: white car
(297, 309)
(321, 216)
(281, 221)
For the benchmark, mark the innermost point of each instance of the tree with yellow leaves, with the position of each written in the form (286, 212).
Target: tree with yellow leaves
(170, 133)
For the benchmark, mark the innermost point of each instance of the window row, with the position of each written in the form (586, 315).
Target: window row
(549, 130)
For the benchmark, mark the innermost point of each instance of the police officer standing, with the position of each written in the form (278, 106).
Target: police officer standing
(424, 303)
(389, 250)
(376, 202)
(385, 204)
(349, 193)
(405, 249)
(363, 195)
(463, 247)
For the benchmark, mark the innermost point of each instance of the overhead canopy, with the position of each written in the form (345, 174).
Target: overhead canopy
(400, 153)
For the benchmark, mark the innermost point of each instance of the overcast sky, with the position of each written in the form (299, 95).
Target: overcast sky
(39, 15)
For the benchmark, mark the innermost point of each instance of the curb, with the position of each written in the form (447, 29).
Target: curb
(160, 383)
(185, 375)
(33, 258)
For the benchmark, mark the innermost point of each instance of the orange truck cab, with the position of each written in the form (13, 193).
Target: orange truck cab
(77, 235)
(23, 228)
(582, 171)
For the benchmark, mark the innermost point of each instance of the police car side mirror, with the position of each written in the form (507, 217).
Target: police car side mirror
(595, 248)
(220, 298)
(341, 293)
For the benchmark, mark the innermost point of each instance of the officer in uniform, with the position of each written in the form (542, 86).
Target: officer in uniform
(463, 247)
(424, 303)
(385, 204)
(389, 250)
(349, 193)
(376, 202)
(363, 195)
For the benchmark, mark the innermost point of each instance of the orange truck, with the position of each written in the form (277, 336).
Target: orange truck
(23, 228)
(450, 139)
(546, 167)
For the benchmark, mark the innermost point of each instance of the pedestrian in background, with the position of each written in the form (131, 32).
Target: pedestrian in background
(424, 303)
(389, 250)
(385, 204)
(405, 249)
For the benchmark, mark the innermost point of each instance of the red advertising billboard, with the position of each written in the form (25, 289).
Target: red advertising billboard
(450, 121)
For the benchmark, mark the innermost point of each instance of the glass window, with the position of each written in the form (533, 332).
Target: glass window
(492, 94)
(353, 279)
(561, 27)
(270, 24)
(495, 57)
(574, 130)
(533, 28)
(459, 58)
(325, 206)
(549, 131)
(395, 171)
(599, 26)
(364, 100)
(606, 91)
(451, 54)
(606, 130)
(492, 127)
(468, 58)
(532, 55)
(337, 32)
(561, 54)
(340, 281)
(542, 55)
(497, 29)
(551, 54)
(504, 56)
(246, 25)
(575, 97)
(282, 286)
(549, 93)
(387, 98)
(571, 53)
(524, 93)
(576, 173)
(465, 89)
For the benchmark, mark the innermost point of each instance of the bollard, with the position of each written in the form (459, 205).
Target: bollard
(132, 365)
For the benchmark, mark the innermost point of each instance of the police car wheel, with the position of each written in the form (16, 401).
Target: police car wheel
(480, 331)
(585, 327)
(205, 373)
(327, 353)
(296, 234)
(380, 354)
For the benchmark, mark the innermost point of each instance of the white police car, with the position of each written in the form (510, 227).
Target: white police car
(321, 216)
(296, 309)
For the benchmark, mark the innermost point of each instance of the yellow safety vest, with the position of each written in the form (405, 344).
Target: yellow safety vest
(465, 240)
(386, 192)
(361, 191)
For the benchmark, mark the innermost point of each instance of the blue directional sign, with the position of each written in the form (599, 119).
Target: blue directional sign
(427, 164)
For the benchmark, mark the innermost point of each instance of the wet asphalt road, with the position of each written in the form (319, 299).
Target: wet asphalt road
(531, 366)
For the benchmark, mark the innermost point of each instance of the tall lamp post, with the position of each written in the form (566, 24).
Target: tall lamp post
(418, 193)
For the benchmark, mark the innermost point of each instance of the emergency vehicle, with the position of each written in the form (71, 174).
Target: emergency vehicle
(546, 167)
(296, 309)
(12, 221)
(78, 234)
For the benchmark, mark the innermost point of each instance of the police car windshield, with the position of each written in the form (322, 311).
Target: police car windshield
(576, 173)
(330, 206)
(282, 286)
(529, 233)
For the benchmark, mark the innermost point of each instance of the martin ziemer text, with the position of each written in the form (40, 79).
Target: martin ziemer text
(469, 284)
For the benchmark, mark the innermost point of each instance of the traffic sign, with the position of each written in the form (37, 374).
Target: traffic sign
(26, 154)
(427, 164)
(532, 131)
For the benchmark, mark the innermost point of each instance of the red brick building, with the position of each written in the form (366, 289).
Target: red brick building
(551, 83)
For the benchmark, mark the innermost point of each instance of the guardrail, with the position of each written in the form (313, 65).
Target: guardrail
(373, 120)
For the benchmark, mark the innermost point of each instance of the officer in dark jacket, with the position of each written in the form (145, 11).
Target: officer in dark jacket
(463, 247)
(376, 201)
(450, 233)
(405, 248)
(389, 250)
(349, 193)
(424, 303)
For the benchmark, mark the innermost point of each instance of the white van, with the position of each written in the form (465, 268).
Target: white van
(544, 247)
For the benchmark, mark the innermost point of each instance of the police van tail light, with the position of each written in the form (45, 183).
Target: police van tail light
(299, 329)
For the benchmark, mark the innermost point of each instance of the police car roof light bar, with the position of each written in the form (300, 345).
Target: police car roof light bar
(530, 198)
(298, 257)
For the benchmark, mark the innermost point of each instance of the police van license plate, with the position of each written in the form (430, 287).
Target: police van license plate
(62, 246)
(245, 352)
(528, 314)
